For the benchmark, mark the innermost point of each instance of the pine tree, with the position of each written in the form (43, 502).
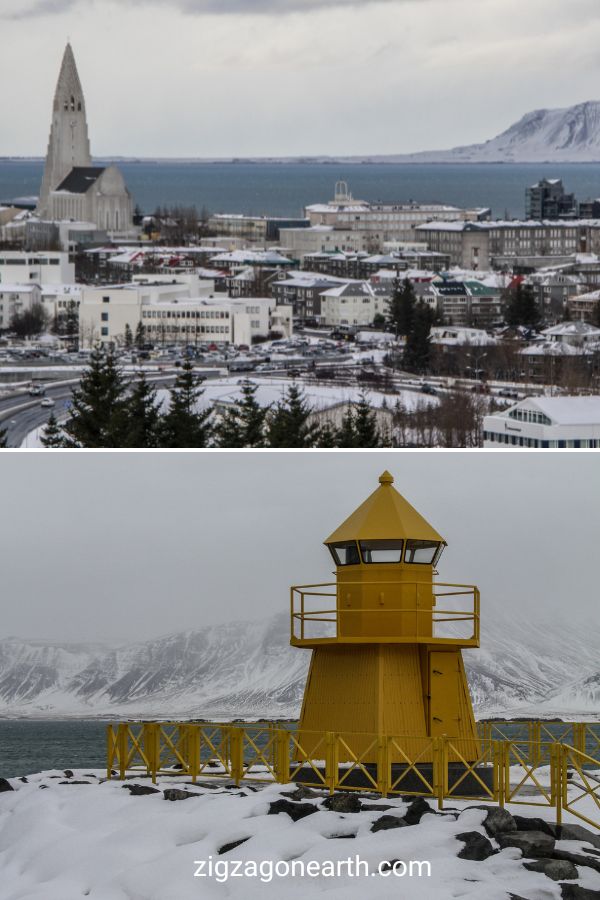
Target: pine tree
(183, 426)
(243, 425)
(3, 439)
(53, 434)
(96, 413)
(367, 434)
(141, 422)
(288, 424)
(128, 337)
(522, 308)
(417, 351)
(402, 307)
(140, 336)
(327, 437)
(346, 436)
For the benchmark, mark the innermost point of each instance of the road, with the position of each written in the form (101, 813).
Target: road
(23, 421)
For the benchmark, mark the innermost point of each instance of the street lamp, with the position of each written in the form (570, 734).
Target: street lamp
(478, 357)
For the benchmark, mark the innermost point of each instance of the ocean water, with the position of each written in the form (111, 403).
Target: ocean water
(28, 746)
(284, 189)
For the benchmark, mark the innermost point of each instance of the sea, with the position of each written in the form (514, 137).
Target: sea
(284, 189)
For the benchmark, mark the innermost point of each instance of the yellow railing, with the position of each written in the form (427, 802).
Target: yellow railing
(551, 774)
(415, 612)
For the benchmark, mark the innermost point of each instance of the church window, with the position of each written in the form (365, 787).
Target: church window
(79, 106)
(73, 104)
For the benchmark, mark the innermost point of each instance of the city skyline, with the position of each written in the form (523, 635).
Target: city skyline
(289, 79)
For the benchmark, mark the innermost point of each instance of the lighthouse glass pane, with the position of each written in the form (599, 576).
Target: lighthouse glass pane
(345, 554)
(381, 551)
(422, 552)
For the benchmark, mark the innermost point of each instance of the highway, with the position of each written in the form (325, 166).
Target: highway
(22, 414)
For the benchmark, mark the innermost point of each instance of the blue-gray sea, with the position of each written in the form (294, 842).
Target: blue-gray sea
(284, 189)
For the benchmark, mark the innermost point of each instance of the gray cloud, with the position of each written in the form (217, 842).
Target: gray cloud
(14, 9)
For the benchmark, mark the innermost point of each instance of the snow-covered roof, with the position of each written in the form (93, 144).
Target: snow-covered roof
(551, 348)
(351, 289)
(564, 410)
(451, 336)
(572, 329)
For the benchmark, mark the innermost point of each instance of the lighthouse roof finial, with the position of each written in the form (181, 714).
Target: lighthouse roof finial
(385, 515)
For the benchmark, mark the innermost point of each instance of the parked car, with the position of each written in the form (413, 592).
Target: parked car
(428, 389)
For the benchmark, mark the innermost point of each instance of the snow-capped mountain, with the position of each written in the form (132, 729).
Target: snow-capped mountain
(248, 668)
(544, 135)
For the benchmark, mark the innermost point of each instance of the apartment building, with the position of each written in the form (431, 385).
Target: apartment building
(545, 422)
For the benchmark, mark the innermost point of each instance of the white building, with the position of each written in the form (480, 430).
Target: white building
(18, 266)
(564, 422)
(16, 299)
(354, 303)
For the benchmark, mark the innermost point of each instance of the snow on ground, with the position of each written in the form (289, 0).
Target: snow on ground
(96, 840)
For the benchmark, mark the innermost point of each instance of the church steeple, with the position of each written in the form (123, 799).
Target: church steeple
(69, 144)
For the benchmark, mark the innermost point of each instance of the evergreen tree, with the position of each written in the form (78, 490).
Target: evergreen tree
(522, 308)
(244, 424)
(402, 307)
(140, 336)
(327, 436)
(366, 432)
(3, 438)
(53, 434)
(128, 337)
(288, 424)
(183, 426)
(596, 314)
(141, 417)
(96, 413)
(346, 436)
(417, 351)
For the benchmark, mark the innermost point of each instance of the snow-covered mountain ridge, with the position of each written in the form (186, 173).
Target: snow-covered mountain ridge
(248, 668)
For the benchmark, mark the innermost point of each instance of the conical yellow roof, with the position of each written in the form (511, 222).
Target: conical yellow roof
(384, 515)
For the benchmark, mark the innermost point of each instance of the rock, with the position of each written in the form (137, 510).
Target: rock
(5, 785)
(578, 859)
(227, 847)
(23, 779)
(43, 787)
(294, 810)
(525, 824)
(302, 793)
(213, 764)
(477, 846)
(334, 837)
(416, 811)
(176, 794)
(67, 773)
(498, 820)
(556, 869)
(343, 803)
(74, 782)
(531, 843)
(387, 822)
(574, 892)
(578, 833)
(140, 790)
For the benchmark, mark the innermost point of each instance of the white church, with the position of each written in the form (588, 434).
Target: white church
(72, 187)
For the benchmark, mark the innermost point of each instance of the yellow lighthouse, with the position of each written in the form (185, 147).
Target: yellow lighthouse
(386, 636)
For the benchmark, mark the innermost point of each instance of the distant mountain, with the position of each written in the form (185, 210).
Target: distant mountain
(248, 668)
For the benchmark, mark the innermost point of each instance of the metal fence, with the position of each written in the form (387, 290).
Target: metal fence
(559, 769)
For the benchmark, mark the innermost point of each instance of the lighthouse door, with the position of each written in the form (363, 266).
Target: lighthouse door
(444, 683)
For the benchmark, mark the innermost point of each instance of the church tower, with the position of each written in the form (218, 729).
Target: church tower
(69, 145)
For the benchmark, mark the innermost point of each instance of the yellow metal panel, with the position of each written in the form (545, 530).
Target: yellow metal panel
(385, 515)
(444, 679)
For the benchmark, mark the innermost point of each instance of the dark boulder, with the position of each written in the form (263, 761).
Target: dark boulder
(24, 780)
(556, 869)
(416, 811)
(176, 794)
(343, 803)
(476, 846)
(574, 892)
(74, 782)
(531, 843)
(579, 859)
(535, 824)
(227, 847)
(5, 785)
(140, 790)
(294, 810)
(387, 822)
(498, 820)
(68, 773)
(578, 833)
(302, 793)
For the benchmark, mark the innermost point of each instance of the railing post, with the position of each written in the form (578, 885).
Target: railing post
(536, 745)
(122, 734)
(194, 751)
(498, 773)
(151, 745)
(557, 778)
(110, 750)
(331, 761)
(579, 736)
(281, 756)
(383, 765)
(440, 770)
(236, 748)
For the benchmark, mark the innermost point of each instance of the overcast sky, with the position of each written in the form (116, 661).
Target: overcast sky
(289, 77)
(121, 547)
